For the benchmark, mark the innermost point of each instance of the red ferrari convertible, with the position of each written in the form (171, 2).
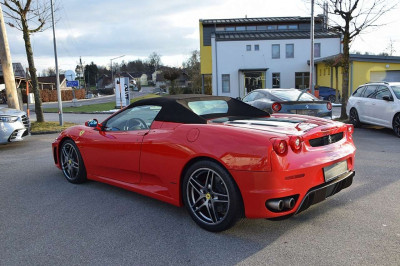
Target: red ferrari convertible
(221, 158)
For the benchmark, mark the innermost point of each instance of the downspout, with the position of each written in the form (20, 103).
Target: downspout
(351, 77)
(216, 58)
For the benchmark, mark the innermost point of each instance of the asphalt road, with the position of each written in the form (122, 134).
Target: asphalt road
(44, 220)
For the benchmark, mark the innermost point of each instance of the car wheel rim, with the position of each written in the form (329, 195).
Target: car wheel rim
(208, 196)
(69, 161)
(396, 125)
(353, 116)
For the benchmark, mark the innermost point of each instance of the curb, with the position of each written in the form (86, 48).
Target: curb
(45, 132)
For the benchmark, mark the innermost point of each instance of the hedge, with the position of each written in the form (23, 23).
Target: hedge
(51, 95)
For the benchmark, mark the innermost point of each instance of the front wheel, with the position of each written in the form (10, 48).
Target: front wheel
(211, 197)
(354, 118)
(71, 162)
(396, 125)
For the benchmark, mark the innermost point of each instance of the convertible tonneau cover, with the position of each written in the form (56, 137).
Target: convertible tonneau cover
(175, 108)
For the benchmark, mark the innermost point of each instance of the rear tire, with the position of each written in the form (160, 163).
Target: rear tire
(211, 196)
(396, 125)
(332, 98)
(72, 163)
(354, 118)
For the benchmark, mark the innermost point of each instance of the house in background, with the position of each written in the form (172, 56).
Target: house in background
(49, 83)
(19, 74)
(244, 54)
(363, 69)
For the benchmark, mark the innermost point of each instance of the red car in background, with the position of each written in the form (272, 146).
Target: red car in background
(221, 158)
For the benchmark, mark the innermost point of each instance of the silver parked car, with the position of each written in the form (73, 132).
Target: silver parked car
(376, 103)
(292, 101)
(14, 125)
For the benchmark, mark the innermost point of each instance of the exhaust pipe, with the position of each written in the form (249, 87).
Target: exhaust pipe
(289, 203)
(276, 205)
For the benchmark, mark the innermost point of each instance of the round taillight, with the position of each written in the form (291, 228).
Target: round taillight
(295, 143)
(329, 106)
(276, 107)
(280, 146)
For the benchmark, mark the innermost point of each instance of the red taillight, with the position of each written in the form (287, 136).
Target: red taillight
(295, 142)
(329, 106)
(280, 146)
(276, 107)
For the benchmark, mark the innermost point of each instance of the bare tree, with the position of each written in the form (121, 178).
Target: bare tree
(390, 48)
(154, 61)
(29, 17)
(350, 18)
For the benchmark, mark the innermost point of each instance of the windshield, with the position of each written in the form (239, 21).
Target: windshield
(396, 90)
(293, 95)
(209, 107)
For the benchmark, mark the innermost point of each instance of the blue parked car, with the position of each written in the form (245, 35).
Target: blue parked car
(327, 93)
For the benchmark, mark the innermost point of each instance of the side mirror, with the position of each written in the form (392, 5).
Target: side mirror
(387, 98)
(92, 123)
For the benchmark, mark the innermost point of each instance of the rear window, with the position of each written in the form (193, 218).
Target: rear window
(293, 95)
(209, 107)
(396, 90)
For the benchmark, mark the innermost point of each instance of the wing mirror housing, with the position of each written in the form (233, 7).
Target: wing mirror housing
(94, 123)
(387, 98)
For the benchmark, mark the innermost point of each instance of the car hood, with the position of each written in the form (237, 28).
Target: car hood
(10, 111)
(286, 124)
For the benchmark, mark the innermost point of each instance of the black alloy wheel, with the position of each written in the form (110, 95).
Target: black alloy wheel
(71, 162)
(211, 196)
(332, 98)
(354, 118)
(396, 125)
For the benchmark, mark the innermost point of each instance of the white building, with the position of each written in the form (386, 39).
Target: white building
(250, 53)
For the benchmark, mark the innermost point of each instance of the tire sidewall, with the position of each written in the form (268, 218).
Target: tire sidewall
(235, 204)
(356, 122)
(394, 119)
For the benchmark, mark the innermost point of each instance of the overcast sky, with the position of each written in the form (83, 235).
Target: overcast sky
(98, 30)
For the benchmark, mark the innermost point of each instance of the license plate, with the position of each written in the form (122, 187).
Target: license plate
(333, 171)
(306, 112)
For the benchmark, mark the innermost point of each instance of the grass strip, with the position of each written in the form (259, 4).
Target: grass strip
(93, 108)
(46, 127)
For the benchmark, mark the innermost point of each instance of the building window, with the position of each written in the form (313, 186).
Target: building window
(276, 80)
(272, 27)
(261, 27)
(317, 50)
(230, 28)
(276, 51)
(293, 27)
(226, 86)
(282, 27)
(248, 47)
(256, 47)
(290, 50)
(251, 28)
(302, 80)
(240, 28)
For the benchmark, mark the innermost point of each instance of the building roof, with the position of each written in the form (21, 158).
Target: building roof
(18, 70)
(258, 20)
(51, 79)
(365, 58)
(228, 36)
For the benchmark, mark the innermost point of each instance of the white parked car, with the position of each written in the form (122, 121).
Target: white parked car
(14, 125)
(376, 103)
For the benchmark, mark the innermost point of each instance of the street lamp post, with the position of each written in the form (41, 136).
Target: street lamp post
(112, 74)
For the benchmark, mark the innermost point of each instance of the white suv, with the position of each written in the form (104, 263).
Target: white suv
(376, 103)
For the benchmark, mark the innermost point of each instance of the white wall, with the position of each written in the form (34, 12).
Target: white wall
(230, 56)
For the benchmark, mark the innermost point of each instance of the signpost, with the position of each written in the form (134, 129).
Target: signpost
(73, 83)
(122, 92)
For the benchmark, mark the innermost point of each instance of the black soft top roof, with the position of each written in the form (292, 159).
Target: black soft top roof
(175, 108)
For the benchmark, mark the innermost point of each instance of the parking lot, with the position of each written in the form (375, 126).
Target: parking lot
(44, 220)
